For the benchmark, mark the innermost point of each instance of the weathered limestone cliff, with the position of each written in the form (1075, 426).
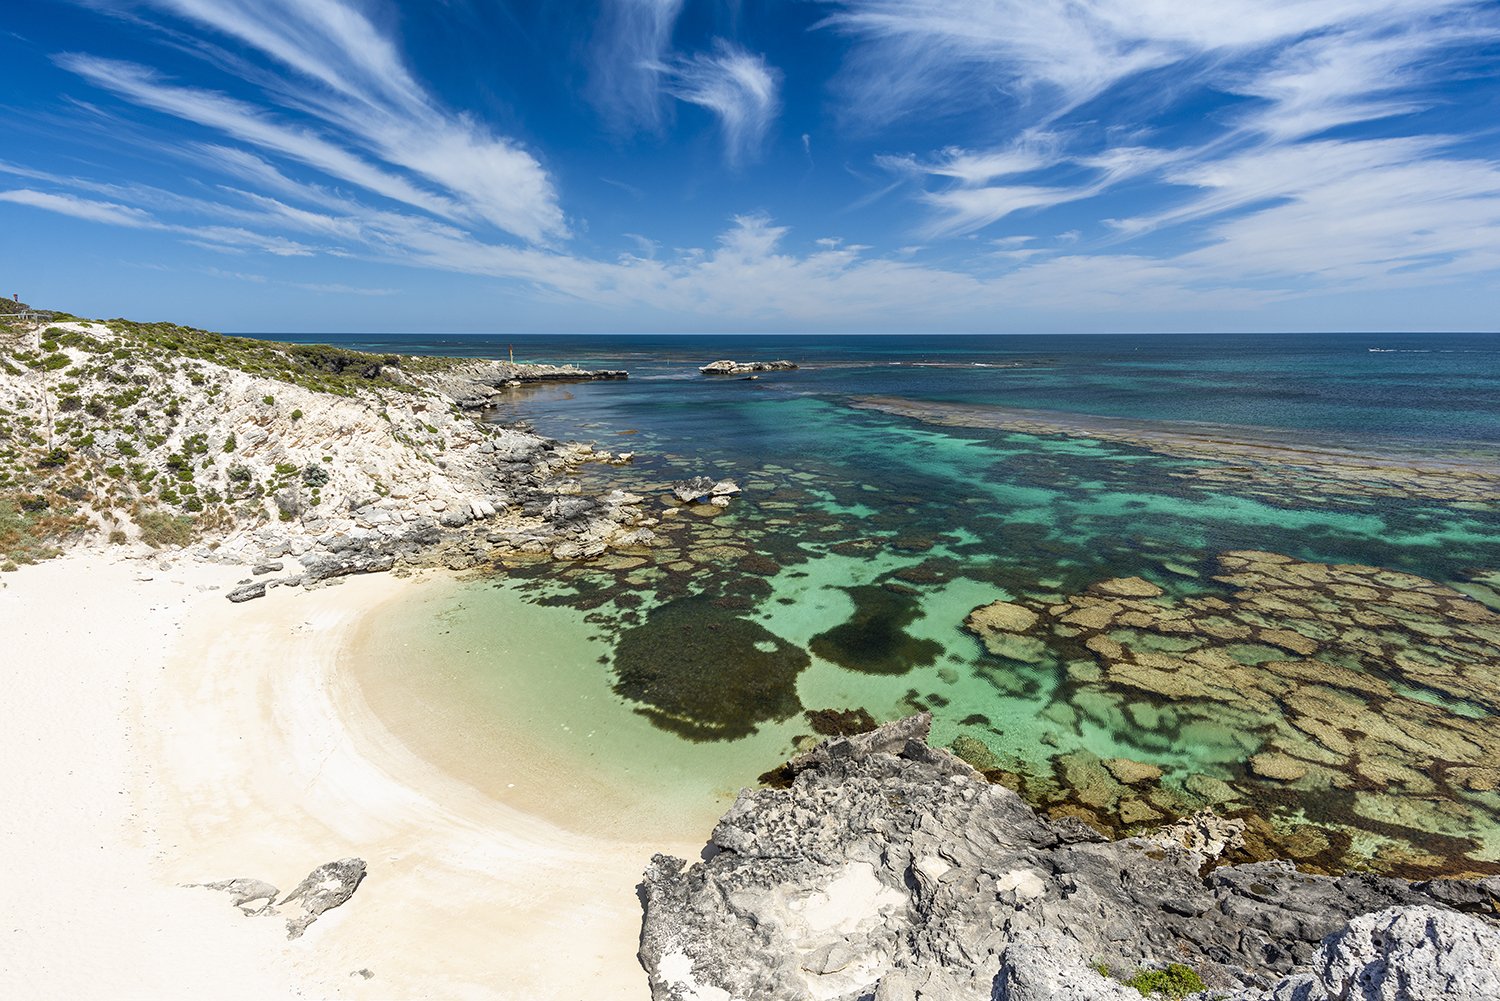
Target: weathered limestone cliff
(892, 871)
(250, 452)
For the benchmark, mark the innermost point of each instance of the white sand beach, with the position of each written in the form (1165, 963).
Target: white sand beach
(158, 735)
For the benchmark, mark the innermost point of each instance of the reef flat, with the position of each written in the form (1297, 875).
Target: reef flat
(1263, 461)
(1365, 694)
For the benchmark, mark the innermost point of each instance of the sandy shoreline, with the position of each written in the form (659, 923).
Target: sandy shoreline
(161, 735)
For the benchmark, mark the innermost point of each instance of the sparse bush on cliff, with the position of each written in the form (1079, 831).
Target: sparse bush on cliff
(162, 528)
(30, 527)
(1175, 982)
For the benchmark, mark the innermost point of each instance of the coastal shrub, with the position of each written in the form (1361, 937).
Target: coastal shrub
(288, 504)
(54, 458)
(28, 528)
(162, 528)
(118, 537)
(229, 443)
(1176, 981)
(295, 415)
(314, 476)
(269, 401)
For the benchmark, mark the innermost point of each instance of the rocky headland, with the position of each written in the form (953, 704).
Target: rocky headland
(251, 452)
(889, 870)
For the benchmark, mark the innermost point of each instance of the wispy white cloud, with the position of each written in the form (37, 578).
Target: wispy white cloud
(1050, 55)
(1269, 189)
(984, 187)
(337, 288)
(741, 90)
(350, 77)
(629, 54)
(634, 68)
(214, 237)
(1309, 180)
(110, 213)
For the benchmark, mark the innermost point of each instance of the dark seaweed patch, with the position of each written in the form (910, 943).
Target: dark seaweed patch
(704, 673)
(840, 722)
(874, 640)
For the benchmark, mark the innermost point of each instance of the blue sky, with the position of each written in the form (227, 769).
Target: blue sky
(782, 165)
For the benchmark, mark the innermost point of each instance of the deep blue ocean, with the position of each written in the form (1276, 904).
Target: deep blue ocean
(1427, 387)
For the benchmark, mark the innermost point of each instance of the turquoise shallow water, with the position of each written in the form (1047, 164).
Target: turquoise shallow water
(842, 577)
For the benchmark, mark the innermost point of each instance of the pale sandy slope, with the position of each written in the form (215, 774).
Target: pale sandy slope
(157, 735)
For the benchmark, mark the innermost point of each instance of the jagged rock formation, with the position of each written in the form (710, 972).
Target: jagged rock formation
(727, 367)
(894, 871)
(244, 890)
(326, 887)
(705, 490)
(1399, 954)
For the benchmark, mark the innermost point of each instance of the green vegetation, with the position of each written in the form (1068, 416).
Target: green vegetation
(162, 528)
(1176, 981)
(30, 528)
(318, 367)
(97, 422)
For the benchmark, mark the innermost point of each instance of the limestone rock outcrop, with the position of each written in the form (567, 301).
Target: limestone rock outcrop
(326, 887)
(727, 367)
(892, 870)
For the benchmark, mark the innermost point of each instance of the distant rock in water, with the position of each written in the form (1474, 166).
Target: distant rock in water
(727, 367)
(704, 490)
(892, 870)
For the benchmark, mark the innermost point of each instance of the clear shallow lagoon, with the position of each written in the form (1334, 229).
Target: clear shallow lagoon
(841, 579)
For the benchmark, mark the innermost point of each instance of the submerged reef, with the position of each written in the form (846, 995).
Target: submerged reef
(1273, 465)
(1363, 698)
(892, 870)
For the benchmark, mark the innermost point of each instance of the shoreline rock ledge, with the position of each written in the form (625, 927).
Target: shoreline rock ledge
(727, 367)
(892, 871)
